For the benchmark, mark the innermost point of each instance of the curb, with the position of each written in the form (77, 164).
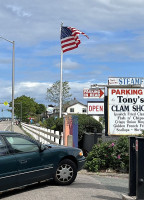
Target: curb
(112, 174)
(126, 197)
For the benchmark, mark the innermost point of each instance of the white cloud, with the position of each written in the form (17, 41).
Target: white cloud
(38, 90)
(43, 19)
(18, 11)
(69, 64)
(35, 90)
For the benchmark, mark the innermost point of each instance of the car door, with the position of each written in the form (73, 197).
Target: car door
(8, 168)
(30, 164)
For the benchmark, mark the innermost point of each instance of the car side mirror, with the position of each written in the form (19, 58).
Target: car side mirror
(42, 147)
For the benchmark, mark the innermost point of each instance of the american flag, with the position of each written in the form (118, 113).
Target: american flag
(69, 38)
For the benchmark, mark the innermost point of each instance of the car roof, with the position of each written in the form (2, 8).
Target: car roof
(9, 133)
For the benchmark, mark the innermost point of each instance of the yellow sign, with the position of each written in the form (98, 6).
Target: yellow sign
(5, 103)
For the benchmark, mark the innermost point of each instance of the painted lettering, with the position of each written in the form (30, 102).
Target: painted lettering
(138, 108)
(127, 100)
(119, 108)
(127, 91)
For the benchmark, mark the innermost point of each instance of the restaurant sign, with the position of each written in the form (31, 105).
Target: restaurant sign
(93, 93)
(95, 108)
(126, 81)
(125, 111)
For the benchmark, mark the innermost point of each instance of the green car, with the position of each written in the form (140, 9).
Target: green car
(24, 161)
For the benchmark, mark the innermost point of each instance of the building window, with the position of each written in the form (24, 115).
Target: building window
(71, 109)
(83, 110)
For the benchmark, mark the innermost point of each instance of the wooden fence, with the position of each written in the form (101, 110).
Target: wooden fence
(44, 135)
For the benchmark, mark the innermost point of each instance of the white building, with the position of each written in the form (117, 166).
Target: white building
(73, 107)
(76, 108)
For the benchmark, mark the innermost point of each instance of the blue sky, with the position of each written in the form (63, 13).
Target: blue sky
(115, 47)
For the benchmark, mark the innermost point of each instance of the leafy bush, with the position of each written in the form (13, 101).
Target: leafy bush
(142, 134)
(88, 124)
(59, 124)
(55, 124)
(41, 123)
(109, 155)
(50, 122)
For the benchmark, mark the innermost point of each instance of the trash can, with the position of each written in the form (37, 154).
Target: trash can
(89, 140)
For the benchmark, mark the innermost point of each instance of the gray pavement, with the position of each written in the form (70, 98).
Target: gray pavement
(114, 182)
(6, 126)
(86, 187)
(18, 129)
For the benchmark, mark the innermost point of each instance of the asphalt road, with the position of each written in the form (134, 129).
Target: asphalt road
(118, 185)
(5, 125)
(86, 186)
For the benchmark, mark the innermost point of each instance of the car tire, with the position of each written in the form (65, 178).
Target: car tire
(66, 172)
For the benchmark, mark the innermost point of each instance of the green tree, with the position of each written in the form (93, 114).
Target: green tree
(102, 121)
(27, 107)
(40, 109)
(86, 124)
(53, 93)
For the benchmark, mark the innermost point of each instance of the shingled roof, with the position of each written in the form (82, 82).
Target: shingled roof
(73, 102)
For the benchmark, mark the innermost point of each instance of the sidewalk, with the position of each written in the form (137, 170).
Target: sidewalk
(18, 129)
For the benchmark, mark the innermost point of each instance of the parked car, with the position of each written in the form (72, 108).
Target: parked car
(24, 161)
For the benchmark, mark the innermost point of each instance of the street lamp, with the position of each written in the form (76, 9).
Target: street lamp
(13, 73)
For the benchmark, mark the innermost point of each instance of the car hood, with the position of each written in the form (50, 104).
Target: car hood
(59, 146)
(55, 146)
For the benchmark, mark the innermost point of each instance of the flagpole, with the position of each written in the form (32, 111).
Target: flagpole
(61, 79)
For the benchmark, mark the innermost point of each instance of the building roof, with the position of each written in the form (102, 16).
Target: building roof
(74, 102)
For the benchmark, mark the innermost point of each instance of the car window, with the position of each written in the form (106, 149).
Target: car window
(3, 148)
(20, 145)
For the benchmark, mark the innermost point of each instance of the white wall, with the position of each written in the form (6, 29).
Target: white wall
(96, 117)
(77, 109)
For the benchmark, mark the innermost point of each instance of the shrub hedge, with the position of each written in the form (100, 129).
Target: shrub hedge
(109, 155)
(86, 123)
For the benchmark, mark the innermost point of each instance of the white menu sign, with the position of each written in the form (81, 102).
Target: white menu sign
(125, 111)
